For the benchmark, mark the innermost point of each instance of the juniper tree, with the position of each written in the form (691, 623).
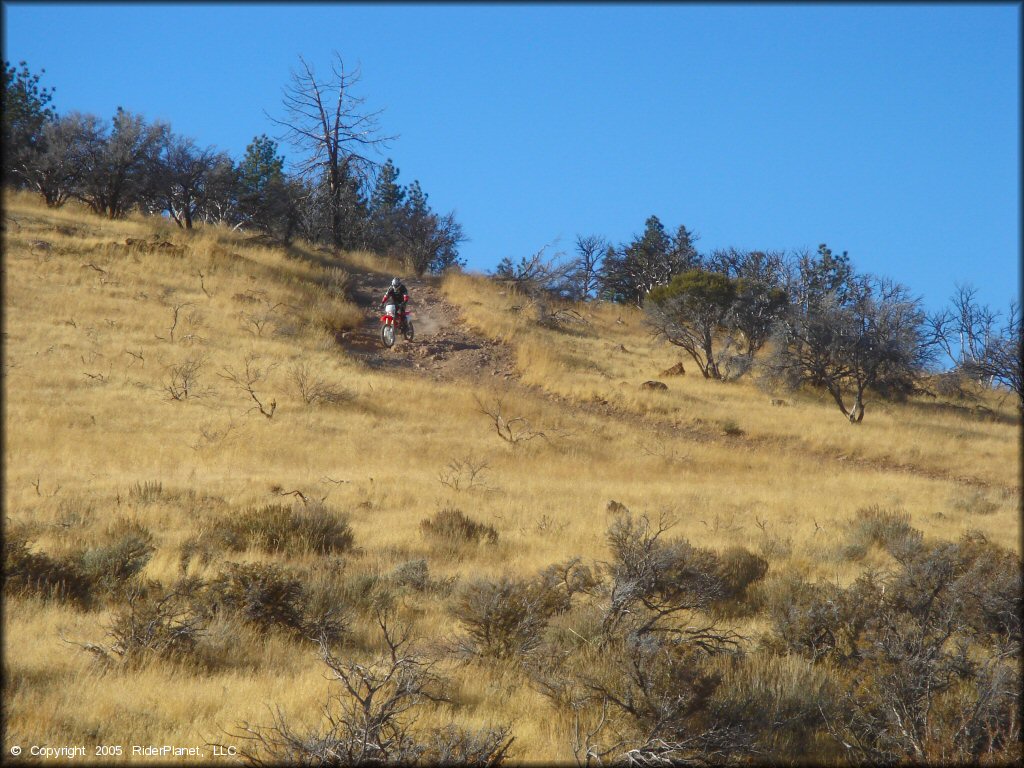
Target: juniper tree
(691, 311)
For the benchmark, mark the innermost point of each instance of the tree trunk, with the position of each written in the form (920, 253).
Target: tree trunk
(838, 397)
(856, 414)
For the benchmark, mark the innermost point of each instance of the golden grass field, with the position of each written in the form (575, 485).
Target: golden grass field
(94, 330)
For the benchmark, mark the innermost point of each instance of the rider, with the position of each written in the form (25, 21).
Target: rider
(397, 293)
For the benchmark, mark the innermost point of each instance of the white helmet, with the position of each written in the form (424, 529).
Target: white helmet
(395, 282)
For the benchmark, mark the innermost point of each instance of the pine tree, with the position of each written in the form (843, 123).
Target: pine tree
(261, 184)
(388, 195)
(26, 112)
(632, 271)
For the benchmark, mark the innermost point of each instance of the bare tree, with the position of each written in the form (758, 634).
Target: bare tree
(585, 269)
(55, 171)
(326, 121)
(1000, 360)
(968, 334)
(513, 431)
(186, 169)
(534, 274)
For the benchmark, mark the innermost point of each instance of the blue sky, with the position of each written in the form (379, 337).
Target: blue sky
(889, 131)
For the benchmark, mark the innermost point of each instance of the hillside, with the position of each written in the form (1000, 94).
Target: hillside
(181, 386)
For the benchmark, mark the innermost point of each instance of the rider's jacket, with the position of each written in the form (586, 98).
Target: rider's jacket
(399, 295)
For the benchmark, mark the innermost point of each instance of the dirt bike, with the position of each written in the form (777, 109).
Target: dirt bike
(390, 324)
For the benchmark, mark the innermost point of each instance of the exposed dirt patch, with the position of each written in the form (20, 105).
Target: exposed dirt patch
(443, 347)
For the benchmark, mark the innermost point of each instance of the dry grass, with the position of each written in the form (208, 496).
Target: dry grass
(90, 355)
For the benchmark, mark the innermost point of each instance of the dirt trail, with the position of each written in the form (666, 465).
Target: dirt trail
(443, 347)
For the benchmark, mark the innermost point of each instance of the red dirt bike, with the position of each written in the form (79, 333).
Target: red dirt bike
(393, 322)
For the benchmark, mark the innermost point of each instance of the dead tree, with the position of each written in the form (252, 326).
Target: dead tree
(513, 431)
(334, 136)
(247, 381)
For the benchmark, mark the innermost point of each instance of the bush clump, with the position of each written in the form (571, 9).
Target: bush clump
(166, 626)
(268, 597)
(503, 618)
(113, 566)
(37, 573)
(276, 529)
(413, 573)
(108, 569)
(295, 530)
(454, 527)
(888, 529)
(932, 643)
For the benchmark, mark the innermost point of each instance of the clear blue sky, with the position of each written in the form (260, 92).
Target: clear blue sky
(889, 131)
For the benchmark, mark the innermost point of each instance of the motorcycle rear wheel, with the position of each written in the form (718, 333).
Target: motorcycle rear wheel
(408, 332)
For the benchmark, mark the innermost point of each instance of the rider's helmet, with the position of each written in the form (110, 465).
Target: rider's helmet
(395, 282)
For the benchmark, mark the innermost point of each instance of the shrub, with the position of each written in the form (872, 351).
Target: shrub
(312, 389)
(991, 589)
(166, 626)
(367, 722)
(656, 579)
(889, 529)
(413, 573)
(324, 618)
(452, 745)
(975, 582)
(556, 585)
(922, 659)
(822, 620)
(262, 594)
(113, 566)
(924, 687)
(27, 572)
(651, 697)
(454, 527)
(275, 528)
(502, 618)
(295, 530)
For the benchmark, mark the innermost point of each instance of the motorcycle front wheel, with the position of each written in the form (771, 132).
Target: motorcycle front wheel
(387, 335)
